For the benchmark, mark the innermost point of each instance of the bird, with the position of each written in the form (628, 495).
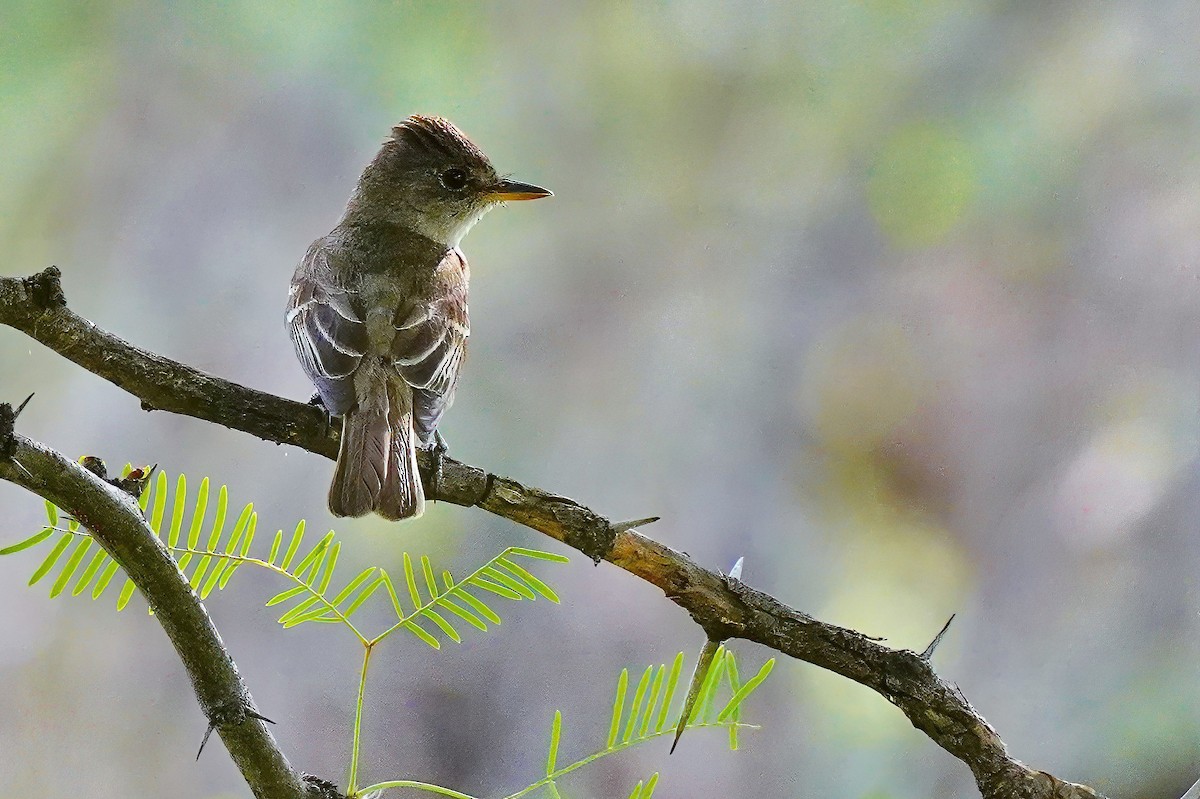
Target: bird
(377, 309)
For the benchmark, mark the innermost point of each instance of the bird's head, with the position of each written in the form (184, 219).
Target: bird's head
(435, 181)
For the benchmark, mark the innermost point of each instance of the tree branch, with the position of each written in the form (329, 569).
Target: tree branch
(724, 608)
(115, 522)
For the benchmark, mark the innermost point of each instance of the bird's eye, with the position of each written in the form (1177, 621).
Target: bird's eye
(454, 179)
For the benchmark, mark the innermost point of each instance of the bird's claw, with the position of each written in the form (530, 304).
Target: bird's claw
(317, 402)
(437, 451)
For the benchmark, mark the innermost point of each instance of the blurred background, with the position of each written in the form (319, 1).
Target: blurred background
(900, 301)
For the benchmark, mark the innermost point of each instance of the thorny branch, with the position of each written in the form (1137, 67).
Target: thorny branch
(723, 608)
(116, 523)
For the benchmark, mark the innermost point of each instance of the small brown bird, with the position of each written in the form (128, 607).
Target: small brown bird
(378, 308)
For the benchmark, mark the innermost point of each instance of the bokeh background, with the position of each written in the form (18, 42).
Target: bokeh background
(900, 301)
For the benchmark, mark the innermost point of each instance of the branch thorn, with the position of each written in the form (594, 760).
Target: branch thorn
(258, 716)
(937, 639)
(227, 715)
(8, 418)
(624, 527)
(707, 652)
(21, 407)
(212, 725)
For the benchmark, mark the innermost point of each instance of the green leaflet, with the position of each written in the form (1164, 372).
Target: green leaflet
(32, 541)
(635, 710)
(555, 734)
(293, 545)
(669, 692)
(739, 696)
(652, 701)
(643, 717)
(618, 708)
(646, 790)
(85, 579)
(82, 545)
(60, 546)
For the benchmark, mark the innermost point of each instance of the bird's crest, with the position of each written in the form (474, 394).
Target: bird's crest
(440, 135)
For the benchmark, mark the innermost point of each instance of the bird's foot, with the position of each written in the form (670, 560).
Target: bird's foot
(316, 401)
(437, 451)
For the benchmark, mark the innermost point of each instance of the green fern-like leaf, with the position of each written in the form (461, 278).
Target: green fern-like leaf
(433, 609)
(208, 552)
(642, 715)
(76, 559)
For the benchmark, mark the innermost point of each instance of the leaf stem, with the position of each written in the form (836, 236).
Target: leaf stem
(421, 786)
(358, 714)
(619, 747)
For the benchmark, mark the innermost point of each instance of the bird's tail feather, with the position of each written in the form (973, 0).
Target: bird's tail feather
(377, 462)
(402, 496)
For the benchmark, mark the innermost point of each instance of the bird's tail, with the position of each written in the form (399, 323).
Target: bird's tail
(377, 462)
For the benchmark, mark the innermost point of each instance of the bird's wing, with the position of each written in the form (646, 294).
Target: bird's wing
(328, 334)
(431, 342)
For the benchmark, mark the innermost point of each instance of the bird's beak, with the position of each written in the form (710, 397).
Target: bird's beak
(507, 190)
